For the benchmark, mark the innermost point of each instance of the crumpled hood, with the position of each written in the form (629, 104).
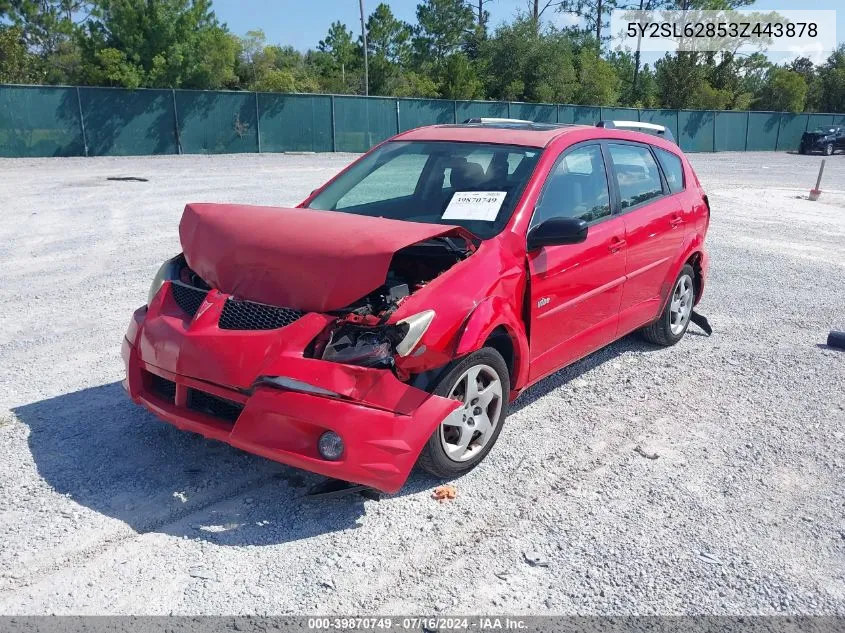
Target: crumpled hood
(296, 258)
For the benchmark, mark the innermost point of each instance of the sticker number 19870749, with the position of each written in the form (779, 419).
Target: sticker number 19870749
(474, 205)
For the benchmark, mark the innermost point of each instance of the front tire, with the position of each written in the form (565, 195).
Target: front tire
(828, 149)
(670, 327)
(482, 382)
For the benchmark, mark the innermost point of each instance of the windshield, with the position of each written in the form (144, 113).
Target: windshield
(473, 185)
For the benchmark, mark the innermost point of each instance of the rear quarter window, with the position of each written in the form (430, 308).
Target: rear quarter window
(673, 169)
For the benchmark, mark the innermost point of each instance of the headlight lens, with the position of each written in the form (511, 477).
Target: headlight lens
(376, 346)
(417, 325)
(168, 270)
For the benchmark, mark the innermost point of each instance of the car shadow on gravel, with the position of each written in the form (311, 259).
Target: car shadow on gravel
(100, 450)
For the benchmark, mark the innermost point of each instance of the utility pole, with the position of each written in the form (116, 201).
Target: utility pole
(598, 23)
(366, 62)
(634, 93)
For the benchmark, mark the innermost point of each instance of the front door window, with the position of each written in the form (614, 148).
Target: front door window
(576, 188)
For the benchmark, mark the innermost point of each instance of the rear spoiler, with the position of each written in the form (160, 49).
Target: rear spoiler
(639, 126)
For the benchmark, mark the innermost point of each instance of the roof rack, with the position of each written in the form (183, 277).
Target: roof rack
(478, 119)
(640, 126)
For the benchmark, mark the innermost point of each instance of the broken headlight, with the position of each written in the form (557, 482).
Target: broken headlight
(376, 346)
(168, 270)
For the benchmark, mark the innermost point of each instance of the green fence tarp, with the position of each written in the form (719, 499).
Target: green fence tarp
(666, 118)
(39, 121)
(362, 122)
(492, 109)
(128, 122)
(581, 115)
(731, 128)
(295, 123)
(696, 130)
(537, 112)
(217, 122)
(419, 112)
(820, 120)
(762, 131)
(64, 121)
(792, 126)
(619, 114)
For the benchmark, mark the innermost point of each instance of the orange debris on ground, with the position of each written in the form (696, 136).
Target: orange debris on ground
(442, 493)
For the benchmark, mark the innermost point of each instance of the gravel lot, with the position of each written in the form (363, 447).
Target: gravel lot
(103, 509)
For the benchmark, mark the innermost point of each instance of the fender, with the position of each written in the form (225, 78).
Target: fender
(693, 243)
(486, 317)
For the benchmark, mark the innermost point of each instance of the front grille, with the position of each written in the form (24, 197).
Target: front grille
(247, 315)
(187, 297)
(163, 387)
(212, 405)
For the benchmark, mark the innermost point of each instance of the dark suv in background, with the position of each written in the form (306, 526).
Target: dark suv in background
(826, 140)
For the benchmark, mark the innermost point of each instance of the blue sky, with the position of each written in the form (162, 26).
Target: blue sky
(303, 24)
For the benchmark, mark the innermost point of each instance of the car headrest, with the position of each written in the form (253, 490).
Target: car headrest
(497, 171)
(467, 176)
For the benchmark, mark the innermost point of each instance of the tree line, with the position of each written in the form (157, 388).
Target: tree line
(452, 51)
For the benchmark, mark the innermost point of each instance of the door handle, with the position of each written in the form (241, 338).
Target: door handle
(676, 221)
(616, 244)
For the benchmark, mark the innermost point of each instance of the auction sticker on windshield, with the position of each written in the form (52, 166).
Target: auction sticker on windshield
(475, 205)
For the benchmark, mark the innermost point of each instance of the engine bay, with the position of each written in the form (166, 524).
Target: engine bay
(411, 269)
(361, 335)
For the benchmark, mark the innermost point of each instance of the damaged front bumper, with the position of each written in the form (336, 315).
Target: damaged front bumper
(383, 422)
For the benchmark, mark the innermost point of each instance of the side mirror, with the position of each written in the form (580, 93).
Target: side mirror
(557, 231)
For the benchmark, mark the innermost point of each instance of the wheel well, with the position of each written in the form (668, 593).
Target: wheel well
(500, 341)
(695, 261)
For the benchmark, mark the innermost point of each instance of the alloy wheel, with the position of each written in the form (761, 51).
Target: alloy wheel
(681, 306)
(480, 390)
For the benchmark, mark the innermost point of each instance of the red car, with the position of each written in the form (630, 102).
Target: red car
(390, 318)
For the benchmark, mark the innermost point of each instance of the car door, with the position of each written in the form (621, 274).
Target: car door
(840, 139)
(655, 218)
(575, 289)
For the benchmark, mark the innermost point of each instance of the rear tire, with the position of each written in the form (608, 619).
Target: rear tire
(480, 380)
(673, 322)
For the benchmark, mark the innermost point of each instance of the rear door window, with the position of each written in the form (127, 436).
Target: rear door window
(673, 169)
(637, 175)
